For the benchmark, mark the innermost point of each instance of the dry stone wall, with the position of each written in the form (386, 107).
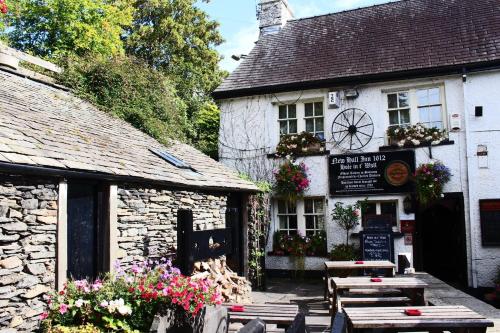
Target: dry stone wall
(147, 219)
(28, 221)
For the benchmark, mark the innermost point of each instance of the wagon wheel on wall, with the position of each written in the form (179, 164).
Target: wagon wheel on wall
(352, 129)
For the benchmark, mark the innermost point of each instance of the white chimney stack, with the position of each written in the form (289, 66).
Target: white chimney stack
(273, 15)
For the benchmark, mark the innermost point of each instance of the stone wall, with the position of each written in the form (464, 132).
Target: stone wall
(28, 220)
(147, 219)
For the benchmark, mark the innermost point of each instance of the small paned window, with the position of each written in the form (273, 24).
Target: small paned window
(315, 121)
(288, 119)
(388, 209)
(430, 108)
(398, 107)
(314, 213)
(287, 216)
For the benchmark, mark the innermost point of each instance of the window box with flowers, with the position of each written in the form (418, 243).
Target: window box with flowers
(298, 245)
(303, 144)
(415, 136)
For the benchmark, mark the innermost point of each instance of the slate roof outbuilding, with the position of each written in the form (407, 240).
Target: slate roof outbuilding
(45, 126)
(407, 36)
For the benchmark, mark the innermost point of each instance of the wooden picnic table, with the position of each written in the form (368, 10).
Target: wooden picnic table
(280, 314)
(411, 287)
(433, 318)
(350, 266)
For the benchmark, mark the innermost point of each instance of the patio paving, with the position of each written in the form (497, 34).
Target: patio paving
(308, 294)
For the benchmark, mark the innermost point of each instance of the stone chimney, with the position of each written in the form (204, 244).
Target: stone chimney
(273, 15)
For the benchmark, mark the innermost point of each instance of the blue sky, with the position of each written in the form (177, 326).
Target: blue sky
(240, 28)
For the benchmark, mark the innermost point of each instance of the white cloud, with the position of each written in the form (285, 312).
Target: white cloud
(240, 42)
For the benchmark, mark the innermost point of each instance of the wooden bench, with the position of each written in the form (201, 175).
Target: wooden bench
(410, 288)
(282, 315)
(433, 318)
(347, 267)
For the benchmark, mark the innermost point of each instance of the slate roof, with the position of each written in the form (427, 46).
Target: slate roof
(42, 125)
(408, 36)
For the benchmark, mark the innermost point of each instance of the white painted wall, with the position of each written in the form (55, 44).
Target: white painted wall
(250, 130)
(483, 89)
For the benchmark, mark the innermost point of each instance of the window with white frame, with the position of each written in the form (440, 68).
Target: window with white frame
(314, 213)
(398, 107)
(287, 216)
(314, 119)
(423, 105)
(388, 209)
(430, 107)
(288, 119)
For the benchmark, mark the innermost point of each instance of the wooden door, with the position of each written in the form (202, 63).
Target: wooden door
(86, 255)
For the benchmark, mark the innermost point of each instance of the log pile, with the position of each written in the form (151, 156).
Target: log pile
(234, 288)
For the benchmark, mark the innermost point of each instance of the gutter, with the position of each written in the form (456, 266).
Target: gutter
(62, 173)
(356, 80)
(469, 177)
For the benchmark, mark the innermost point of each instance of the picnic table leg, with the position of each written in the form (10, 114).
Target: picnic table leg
(417, 296)
(389, 272)
(325, 296)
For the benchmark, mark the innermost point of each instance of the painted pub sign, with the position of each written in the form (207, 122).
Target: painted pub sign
(372, 173)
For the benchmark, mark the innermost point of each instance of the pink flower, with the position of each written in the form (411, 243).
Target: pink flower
(44, 316)
(63, 308)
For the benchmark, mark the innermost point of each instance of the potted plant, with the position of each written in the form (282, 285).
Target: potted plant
(291, 180)
(415, 135)
(430, 179)
(302, 144)
(129, 300)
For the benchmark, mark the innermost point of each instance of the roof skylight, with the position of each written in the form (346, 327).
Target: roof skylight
(171, 159)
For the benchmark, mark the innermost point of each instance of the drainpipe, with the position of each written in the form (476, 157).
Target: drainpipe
(469, 177)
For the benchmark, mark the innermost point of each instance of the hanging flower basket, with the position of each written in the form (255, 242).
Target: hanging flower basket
(415, 135)
(430, 179)
(291, 180)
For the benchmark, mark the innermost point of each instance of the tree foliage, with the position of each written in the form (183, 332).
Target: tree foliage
(179, 39)
(131, 91)
(207, 129)
(55, 28)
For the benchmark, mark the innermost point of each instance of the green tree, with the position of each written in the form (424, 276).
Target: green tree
(130, 90)
(56, 28)
(207, 129)
(179, 39)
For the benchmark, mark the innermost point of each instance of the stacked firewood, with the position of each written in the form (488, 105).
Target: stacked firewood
(234, 288)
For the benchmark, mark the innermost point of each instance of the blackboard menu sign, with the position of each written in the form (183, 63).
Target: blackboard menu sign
(490, 222)
(372, 173)
(377, 246)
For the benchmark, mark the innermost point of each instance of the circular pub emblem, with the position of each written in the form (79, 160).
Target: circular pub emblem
(397, 173)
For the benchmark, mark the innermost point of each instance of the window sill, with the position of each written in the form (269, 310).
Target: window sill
(396, 234)
(311, 154)
(272, 254)
(423, 145)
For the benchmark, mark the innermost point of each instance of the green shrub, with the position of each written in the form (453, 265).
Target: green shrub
(130, 90)
(343, 252)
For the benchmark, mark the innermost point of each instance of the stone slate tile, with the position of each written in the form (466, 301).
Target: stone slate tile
(396, 37)
(47, 126)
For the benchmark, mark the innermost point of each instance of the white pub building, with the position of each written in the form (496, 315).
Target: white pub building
(347, 78)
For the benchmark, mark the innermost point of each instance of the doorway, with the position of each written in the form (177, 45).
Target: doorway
(87, 214)
(441, 248)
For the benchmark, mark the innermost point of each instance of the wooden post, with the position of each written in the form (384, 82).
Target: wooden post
(185, 258)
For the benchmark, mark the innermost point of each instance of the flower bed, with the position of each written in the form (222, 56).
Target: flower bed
(297, 245)
(128, 300)
(430, 179)
(291, 180)
(302, 144)
(415, 135)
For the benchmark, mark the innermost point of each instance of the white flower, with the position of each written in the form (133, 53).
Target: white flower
(124, 310)
(104, 304)
(401, 143)
(415, 142)
(435, 142)
(79, 302)
(396, 131)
